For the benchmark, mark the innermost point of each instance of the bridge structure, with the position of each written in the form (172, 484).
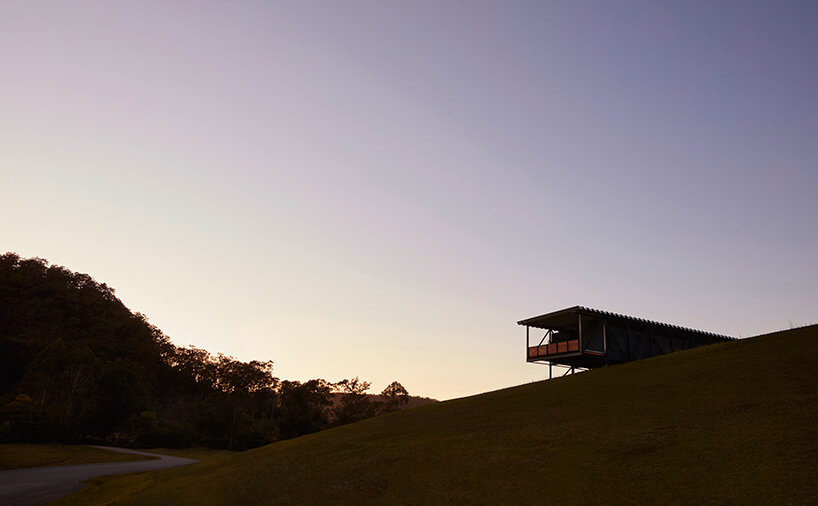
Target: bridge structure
(581, 338)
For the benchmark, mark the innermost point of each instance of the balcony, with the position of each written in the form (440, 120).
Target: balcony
(548, 350)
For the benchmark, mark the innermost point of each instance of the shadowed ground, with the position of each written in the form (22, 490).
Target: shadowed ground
(36, 485)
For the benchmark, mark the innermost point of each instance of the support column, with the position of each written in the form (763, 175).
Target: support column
(527, 344)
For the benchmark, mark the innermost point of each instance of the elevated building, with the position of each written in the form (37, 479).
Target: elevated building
(584, 338)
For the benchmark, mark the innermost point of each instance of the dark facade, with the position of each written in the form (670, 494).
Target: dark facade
(581, 337)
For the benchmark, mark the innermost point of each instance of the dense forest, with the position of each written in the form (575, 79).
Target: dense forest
(76, 365)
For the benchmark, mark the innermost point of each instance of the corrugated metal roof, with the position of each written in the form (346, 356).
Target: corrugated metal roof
(555, 317)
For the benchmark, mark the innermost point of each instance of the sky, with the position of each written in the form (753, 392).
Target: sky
(383, 189)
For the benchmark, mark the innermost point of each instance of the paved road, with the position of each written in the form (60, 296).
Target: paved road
(36, 485)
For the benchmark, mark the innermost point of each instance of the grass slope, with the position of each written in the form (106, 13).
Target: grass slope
(15, 456)
(733, 422)
(191, 453)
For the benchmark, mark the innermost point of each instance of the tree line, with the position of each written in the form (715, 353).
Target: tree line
(76, 365)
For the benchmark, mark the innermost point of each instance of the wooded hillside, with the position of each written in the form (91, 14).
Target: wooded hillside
(77, 365)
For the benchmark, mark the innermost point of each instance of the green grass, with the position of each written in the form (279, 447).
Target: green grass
(15, 456)
(192, 453)
(730, 423)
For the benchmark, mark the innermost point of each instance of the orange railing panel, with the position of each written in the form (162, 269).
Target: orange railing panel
(553, 349)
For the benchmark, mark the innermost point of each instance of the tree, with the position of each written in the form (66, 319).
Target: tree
(19, 419)
(120, 392)
(302, 407)
(395, 396)
(355, 403)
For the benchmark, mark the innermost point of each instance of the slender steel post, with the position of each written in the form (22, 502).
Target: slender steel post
(527, 344)
(547, 333)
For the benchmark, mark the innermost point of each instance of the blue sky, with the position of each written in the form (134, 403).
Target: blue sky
(384, 189)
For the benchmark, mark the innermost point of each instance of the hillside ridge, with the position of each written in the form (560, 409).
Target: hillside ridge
(731, 422)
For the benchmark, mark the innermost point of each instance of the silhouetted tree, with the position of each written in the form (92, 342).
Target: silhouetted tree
(355, 403)
(395, 396)
(303, 407)
(120, 392)
(19, 419)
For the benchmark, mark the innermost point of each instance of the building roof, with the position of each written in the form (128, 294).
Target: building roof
(568, 318)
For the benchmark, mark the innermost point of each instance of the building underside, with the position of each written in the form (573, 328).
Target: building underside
(584, 338)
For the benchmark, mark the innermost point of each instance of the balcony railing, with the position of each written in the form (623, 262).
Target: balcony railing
(547, 350)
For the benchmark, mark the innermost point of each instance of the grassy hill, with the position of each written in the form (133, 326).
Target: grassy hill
(734, 422)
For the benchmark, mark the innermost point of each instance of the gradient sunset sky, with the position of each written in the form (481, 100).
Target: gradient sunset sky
(383, 189)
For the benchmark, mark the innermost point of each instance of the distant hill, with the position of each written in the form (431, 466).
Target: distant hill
(76, 365)
(42, 303)
(728, 423)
